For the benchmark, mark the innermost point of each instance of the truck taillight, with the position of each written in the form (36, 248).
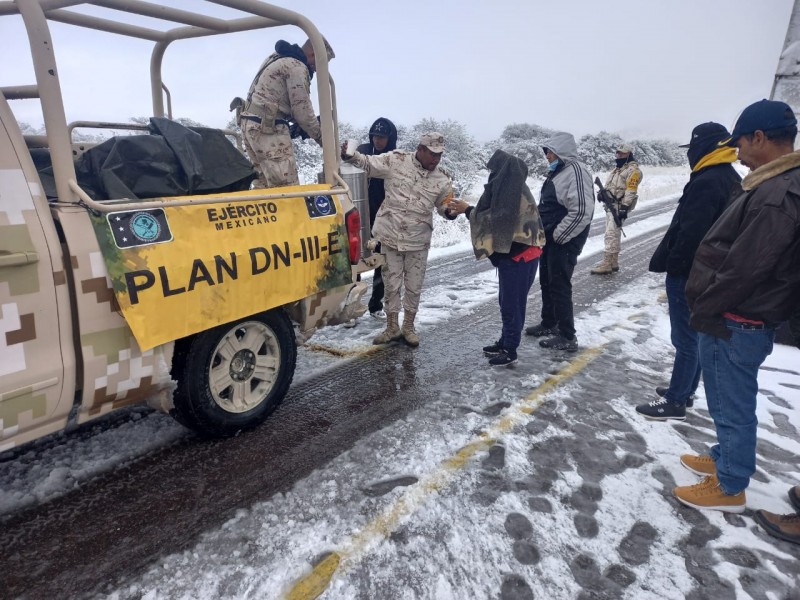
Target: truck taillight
(353, 222)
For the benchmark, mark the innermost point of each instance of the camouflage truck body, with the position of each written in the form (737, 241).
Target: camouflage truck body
(67, 353)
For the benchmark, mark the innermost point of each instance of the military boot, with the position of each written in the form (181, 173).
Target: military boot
(392, 331)
(605, 267)
(614, 262)
(409, 333)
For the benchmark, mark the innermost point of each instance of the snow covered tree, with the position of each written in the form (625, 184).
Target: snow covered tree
(309, 154)
(596, 151)
(525, 141)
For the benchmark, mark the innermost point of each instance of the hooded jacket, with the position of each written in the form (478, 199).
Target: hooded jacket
(747, 264)
(709, 192)
(375, 187)
(506, 221)
(566, 204)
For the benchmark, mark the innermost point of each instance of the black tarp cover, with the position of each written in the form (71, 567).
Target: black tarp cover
(173, 160)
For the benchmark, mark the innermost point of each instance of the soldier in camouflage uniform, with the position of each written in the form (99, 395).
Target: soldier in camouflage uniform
(280, 92)
(623, 184)
(414, 185)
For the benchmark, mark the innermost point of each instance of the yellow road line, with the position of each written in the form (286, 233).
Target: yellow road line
(316, 582)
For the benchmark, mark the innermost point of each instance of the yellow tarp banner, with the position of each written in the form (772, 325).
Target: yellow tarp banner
(178, 270)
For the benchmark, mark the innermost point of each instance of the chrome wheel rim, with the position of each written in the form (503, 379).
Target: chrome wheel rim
(244, 367)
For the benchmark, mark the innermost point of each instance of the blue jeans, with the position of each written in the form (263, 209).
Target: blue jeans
(686, 365)
(516, 279)
(730, 374)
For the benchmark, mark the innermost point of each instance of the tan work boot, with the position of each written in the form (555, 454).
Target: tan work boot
(604, 267)
(700, 465)
(785, 527)
(408, 331)
(392, 331)
(709, 495)
(614, 261)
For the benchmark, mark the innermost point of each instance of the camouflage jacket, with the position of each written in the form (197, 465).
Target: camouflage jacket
(405, 219)
(284, 90)
(624, 182)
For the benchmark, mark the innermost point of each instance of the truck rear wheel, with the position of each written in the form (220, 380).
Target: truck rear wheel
(234, 376)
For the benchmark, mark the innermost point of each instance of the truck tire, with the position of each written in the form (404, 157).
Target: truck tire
(234, 376)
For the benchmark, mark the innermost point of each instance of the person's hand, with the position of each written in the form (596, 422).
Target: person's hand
(343, 150)
(457, 206)
(622, 211)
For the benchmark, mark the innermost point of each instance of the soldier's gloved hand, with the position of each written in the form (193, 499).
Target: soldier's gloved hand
(622, 212)
(372, 243)
(296, 131)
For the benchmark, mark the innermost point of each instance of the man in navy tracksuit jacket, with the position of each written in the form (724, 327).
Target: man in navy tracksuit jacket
(566, 206)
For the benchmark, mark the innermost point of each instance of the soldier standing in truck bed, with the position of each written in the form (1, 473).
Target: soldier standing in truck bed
(280, 93)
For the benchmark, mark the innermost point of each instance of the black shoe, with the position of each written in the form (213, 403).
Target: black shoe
(493, 350)
(503, 359)
(794, 497)
(689, 401)
(662, 410)
(559, 342)
(540, 330)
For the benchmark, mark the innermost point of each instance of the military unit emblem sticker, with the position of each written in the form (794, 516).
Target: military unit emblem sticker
(134, 228)
(320, 206)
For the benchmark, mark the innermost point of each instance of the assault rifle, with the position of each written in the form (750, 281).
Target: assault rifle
(608, 200)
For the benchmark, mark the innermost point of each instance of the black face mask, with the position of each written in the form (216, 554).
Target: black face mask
(621, 162)
(699, 150)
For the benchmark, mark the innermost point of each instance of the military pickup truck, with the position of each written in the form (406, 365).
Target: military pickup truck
(193, 303)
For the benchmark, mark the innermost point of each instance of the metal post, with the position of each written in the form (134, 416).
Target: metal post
(55, 120)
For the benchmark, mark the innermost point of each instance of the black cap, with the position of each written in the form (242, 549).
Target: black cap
(763, 115)
(707, 132)
(380, 127)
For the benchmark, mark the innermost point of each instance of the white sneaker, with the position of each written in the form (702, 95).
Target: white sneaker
(349, 324)
(378, 314)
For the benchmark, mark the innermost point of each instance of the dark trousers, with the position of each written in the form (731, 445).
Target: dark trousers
(516, 279)
(557, 265)
(376, 300)
(686, 366)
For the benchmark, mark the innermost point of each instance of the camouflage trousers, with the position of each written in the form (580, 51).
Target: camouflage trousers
(272, 154)
(403, 269)
(613, 235)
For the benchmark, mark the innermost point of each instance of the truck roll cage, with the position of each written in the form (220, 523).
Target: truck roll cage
(37, 13)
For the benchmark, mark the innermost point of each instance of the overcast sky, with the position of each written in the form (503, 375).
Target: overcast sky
(641, 69)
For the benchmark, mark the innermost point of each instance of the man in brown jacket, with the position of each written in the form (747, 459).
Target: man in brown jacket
(743, 283)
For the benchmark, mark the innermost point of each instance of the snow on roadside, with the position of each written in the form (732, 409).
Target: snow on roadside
(446, 536)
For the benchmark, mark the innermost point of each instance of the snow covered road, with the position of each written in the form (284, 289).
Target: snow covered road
(421, 474)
